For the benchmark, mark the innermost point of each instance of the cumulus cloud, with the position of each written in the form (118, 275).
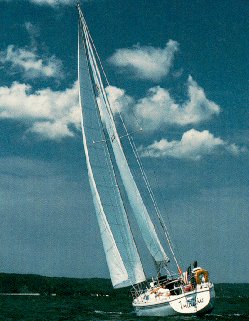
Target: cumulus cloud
(193, 145)
(50, 113)
(146, 62)
(30, 63)
(52, 129)
(158, 108)
(119, 100)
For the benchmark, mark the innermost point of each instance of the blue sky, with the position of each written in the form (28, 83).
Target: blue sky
(179, 69)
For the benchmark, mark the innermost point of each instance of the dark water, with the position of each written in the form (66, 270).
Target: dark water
(231, 304)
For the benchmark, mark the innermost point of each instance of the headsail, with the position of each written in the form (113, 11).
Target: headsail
(145, 224)
(121, 253)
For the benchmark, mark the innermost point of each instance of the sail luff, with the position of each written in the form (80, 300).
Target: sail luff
(123, 260)
(139, 209)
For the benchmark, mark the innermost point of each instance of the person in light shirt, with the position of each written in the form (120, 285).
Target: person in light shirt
(163, 291)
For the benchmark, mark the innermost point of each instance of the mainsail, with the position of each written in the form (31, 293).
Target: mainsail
(121, 253)
(112, 218)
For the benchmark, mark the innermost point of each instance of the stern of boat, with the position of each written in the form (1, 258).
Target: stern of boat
(198, 301)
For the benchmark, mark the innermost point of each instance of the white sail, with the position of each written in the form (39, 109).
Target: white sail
(139, 209)
(121, 253)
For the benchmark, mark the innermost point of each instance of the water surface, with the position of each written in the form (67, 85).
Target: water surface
(231, 304)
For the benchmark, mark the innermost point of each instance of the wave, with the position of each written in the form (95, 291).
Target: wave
(108, 312)
(230, 316)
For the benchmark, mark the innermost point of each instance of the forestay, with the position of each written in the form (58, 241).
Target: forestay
(121, 253)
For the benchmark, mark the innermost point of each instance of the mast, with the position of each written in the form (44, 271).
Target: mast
(140, 212)
(121, 253)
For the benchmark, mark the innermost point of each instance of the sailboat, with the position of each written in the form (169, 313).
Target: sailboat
(113, 185)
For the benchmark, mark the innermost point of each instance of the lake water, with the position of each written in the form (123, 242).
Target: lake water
(231, 304)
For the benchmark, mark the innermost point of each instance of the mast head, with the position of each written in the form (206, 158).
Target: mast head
(79, 8)
(78, 5)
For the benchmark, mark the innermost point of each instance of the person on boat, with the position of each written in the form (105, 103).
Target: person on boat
(152, 284)
(163, 291)
(187, 288)
(193, 281)
(154, 290)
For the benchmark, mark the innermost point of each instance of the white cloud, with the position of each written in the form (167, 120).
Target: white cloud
(193, 145)
(158, 108)
(30, 64)
(52, 129)
(119, 100)
(146, 62)
(50, 112)
(198, 107)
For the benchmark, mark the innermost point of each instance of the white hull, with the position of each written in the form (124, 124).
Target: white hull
(199, 301)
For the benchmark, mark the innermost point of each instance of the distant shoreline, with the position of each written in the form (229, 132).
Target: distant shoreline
(13, 284)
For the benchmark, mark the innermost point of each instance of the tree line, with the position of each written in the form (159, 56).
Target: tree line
(29, 283)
